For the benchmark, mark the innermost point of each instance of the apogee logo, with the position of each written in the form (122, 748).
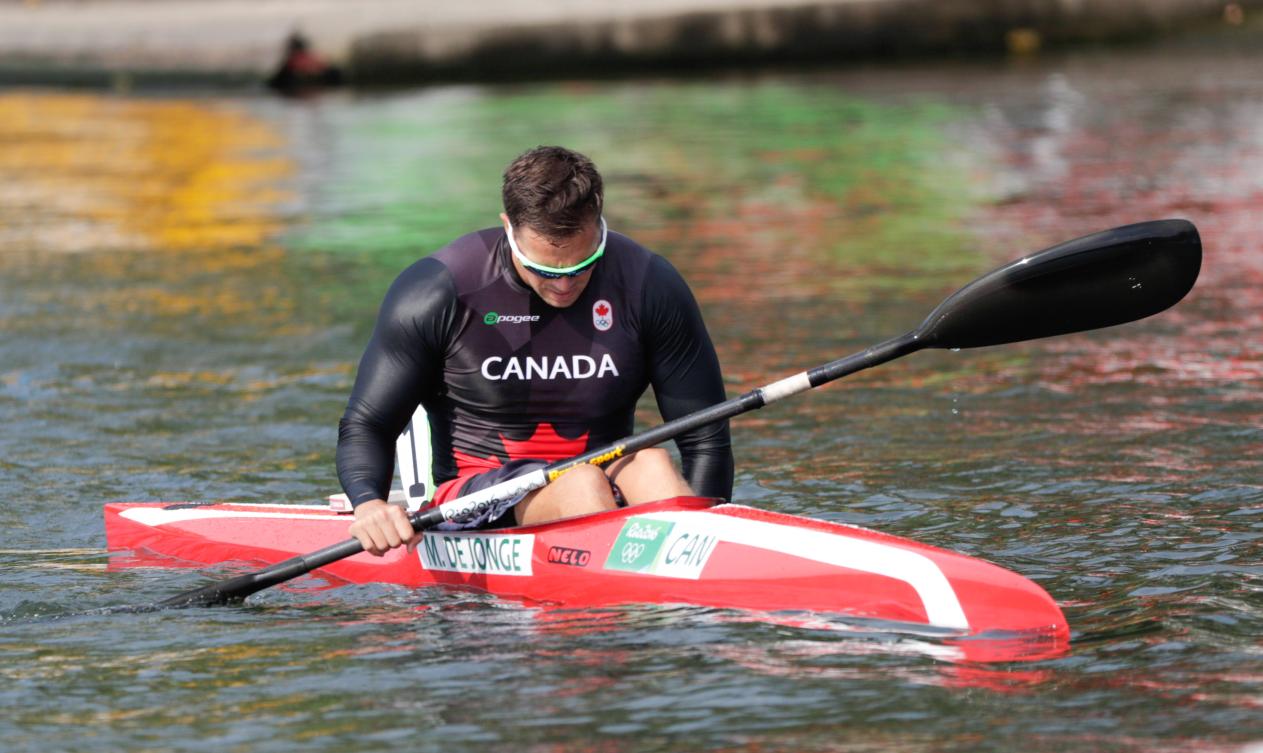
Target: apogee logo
(493, 318)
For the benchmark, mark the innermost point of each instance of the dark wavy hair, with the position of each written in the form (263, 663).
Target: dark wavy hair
(552, 190)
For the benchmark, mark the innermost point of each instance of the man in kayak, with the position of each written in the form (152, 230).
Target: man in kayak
(528, 343)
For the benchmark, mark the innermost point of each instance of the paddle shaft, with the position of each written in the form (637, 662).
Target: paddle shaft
(238, 588)
(470, 505)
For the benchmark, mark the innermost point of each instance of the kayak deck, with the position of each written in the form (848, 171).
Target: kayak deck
(686, 550)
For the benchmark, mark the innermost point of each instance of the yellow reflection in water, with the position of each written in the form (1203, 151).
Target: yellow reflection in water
(194, 182)
(169, 174)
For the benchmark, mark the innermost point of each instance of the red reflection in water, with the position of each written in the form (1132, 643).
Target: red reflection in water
(1086, 167)
(800, 659)
(842, 638)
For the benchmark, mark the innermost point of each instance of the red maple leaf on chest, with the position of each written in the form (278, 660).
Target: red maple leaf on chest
(544, 444)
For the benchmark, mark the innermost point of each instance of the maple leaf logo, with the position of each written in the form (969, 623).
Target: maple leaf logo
(602, 315)
(545, 444)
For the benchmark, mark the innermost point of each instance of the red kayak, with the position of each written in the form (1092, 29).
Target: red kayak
(680, 551)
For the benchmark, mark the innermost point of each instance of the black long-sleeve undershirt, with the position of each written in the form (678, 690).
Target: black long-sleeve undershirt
(461, 334)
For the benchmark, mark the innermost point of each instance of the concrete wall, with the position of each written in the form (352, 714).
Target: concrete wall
(771, 32)
(411, 41)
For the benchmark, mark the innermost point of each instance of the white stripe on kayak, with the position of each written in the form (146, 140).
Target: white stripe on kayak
(157, 516)
(942, 608)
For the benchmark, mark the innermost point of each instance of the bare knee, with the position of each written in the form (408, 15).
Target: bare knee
(581, 478)
(581, 490)
(654, 459)
(649, 475)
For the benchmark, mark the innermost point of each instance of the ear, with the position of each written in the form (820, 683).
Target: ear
(504, 220)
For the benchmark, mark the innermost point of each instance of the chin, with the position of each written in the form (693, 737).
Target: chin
(561, 300)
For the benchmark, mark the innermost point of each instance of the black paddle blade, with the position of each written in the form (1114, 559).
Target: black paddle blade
(223, 593)
(234, 590)
(1099, 280)
(215, 595)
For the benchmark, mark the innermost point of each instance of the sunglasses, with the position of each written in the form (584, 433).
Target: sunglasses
(553, 273)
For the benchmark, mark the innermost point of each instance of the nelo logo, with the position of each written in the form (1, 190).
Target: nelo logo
(561, 555)
(602, 315)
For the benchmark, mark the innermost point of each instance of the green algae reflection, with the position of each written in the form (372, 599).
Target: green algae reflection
(730, 179)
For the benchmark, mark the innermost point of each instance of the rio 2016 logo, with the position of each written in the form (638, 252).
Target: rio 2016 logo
(652, 546)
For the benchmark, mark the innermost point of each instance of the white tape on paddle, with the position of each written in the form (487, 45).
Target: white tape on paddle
(470, 505)
(785, 387)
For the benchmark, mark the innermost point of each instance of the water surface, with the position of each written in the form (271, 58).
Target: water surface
(186, 283)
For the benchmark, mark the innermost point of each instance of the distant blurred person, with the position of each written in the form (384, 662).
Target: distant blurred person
(302, 70)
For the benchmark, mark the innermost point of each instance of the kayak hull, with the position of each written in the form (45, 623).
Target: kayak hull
(686, 550)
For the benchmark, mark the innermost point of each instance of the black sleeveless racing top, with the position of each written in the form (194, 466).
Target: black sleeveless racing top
(503, 375)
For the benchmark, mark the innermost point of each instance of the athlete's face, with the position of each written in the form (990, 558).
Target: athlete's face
(558, 292)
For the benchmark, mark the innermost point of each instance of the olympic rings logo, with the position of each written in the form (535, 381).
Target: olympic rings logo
(631, 552)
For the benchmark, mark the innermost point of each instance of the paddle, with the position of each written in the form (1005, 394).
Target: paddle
(1099, 280)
